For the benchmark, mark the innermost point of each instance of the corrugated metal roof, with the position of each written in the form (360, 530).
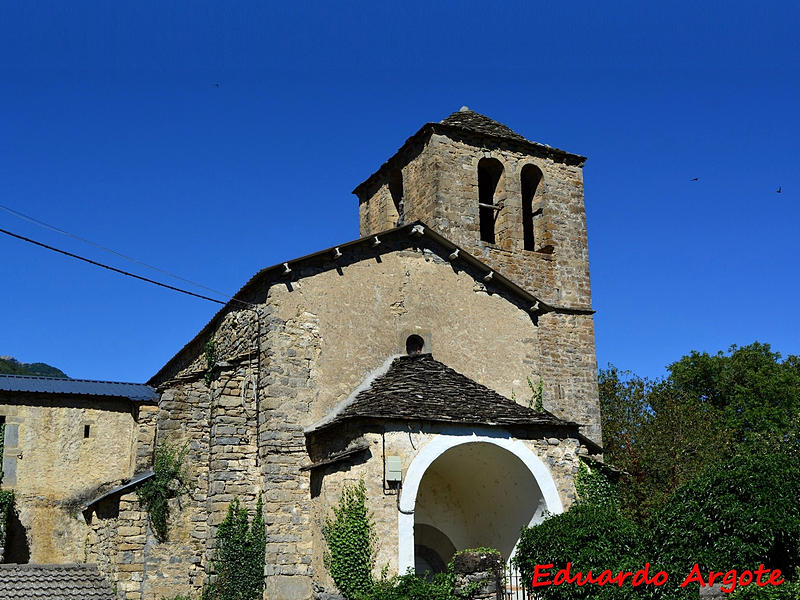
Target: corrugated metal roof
(137, 392)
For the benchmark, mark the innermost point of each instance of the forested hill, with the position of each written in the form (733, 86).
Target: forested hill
(11, 366)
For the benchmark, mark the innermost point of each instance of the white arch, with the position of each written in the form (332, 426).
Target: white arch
(441, 444)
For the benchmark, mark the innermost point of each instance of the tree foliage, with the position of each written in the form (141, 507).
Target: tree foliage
(592, 538)
(239, 557)
(712, 461)
(738, 514)
(664, 432)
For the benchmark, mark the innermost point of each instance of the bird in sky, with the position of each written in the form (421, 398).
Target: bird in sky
(695, 179)
(778, 191)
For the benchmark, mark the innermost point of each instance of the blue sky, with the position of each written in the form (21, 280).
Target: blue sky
(113, 128)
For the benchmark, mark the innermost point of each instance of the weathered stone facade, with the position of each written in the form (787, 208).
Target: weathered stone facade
(58, 450)
(302, 339)
(439, 173)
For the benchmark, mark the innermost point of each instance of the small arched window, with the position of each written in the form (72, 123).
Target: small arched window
(414, 345)
(489, 172)
(396, 191)
(530, 178)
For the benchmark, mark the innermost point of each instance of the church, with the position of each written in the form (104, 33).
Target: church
(446, 358)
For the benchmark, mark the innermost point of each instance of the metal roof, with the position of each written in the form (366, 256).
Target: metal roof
(136, 392)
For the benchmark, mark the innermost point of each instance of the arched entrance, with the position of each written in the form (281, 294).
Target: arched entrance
(464, 491)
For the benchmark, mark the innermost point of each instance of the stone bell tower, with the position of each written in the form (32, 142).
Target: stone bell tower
(518, 206)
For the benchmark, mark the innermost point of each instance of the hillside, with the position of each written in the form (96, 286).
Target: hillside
(11, 366)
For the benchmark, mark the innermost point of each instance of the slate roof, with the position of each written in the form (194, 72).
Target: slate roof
(132, 483)
(419, 388)
(471, 121)
(136, 392)
(53, 582)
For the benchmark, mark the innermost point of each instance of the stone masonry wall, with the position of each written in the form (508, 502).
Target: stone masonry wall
(323, 330)
(54, 468)
(441, 189)
(559, 454)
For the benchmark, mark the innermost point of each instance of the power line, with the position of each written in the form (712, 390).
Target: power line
(35, 221)
(110, 268)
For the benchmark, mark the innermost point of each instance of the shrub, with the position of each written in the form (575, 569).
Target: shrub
(736, 515)
(411, 587)
(350, 536)
(591, 538)
(169, 481)
(239, 557)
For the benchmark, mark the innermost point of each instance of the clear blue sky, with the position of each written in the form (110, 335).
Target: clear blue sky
(112, 127)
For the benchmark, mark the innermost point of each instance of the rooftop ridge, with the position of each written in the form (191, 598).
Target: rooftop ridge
(70, 379)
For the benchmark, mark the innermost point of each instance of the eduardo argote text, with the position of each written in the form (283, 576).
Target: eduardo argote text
(543, 576)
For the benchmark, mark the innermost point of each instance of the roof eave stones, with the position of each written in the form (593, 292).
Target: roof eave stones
(519, 142)
(283, 272)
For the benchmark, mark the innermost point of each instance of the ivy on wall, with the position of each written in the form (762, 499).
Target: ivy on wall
(350, 536)
(211, 360)
(2, 443)
(169, 481)
(6, 506)
(350, 557)
(594, 488)
(239, 556)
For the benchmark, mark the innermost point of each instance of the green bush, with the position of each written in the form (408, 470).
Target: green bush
(239, 557)
(411, 587)
(6, 506)
(169, 481)
(350, 536)
(2, 445)
(591, 538)
(785, 591)
(736, 515)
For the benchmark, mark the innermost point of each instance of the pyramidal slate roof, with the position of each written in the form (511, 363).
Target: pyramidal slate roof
(53, 582)
(469, 121)
(136, 392)
(419, 388)
(478, 123)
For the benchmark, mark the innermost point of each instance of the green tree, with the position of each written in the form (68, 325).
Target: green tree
(664, 432)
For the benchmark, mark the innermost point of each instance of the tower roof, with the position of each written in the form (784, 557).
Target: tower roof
(473, 123)
(469, 120)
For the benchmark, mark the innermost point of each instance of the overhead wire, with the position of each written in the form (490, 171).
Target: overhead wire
(110, 268)
(44, 225)
(35, 221)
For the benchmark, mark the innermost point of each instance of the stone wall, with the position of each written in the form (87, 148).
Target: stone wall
(54, 469)
(558, 453)
(478, 576)
(440, 177)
